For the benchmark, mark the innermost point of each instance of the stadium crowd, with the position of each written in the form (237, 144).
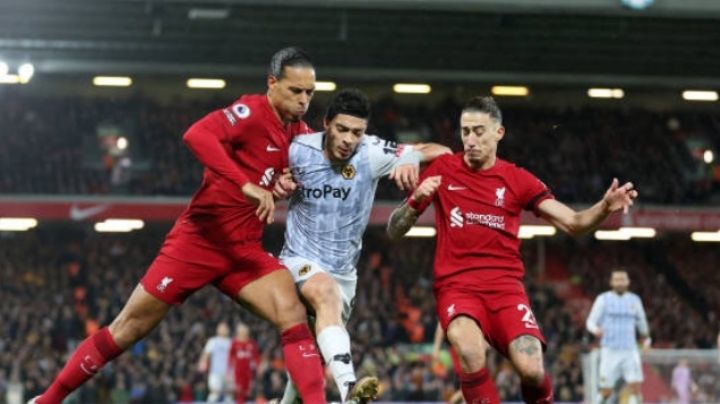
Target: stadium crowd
(60, 285)
(590, 264)
(50, 145)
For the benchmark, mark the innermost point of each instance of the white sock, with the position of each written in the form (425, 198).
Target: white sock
(334, 344)
(290, 394)
(213, 397)
(634, 399)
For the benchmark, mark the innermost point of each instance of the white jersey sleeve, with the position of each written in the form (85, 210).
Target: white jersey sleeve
(642, 323)
(384, 155)
(209, 345)
(593, 321)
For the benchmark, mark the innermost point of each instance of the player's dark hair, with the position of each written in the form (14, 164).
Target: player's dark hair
(288, 57)
(350, 101)
(619, 270)
(484, 104)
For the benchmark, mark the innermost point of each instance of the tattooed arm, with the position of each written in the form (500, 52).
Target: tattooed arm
(405, 216)
(401, 220)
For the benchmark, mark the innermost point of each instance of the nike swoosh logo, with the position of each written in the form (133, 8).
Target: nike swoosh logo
(77, 213)
(272, 148)
(455, 187)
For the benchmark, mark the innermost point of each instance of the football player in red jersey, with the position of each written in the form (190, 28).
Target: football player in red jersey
(244, 359)
(217, 239)
(478, 270)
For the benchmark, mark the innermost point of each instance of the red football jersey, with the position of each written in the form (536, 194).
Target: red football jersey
(245, 142)
(477, 214)
(243, 356)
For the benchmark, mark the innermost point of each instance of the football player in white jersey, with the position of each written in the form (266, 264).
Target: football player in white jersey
(214, 361)
(335, 175)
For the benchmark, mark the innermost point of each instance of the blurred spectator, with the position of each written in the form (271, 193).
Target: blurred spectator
(391, 328)
(576, 151)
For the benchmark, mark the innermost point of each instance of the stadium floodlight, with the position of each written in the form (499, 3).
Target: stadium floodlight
(4, 68)
(510, 91)
(639, 232)
(706, 236)
(700, 95)
(26, 72)
(207, 84)
(122, 143)
(412, 88)
(530, 231)
(325, 86)
(208, 13)
(708, 156)
(17, 223)
(637, 4)
(112, 81)
(421, 231)
(119, 225)
(617, 93)
(611, 235)
(10, 79)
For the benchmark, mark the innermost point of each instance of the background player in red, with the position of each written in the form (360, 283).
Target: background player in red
(478, 269)
(244, 359)
(217, 240)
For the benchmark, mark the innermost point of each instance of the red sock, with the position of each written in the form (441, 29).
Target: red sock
(542, 394)
(303, 363)
(479, 388)
(94, 352)
(240, 397)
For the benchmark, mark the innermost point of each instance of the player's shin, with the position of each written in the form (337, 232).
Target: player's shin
(89, 357)
(303, 363)
(334, 344)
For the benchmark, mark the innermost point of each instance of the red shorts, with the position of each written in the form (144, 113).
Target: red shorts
(502, 316)
(173, 279)
(243, 380)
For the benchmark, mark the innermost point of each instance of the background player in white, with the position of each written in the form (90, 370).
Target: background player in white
(614, 318)
(337, 172)
(216, 352)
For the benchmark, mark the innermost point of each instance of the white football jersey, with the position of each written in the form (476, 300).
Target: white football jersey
(330, 210)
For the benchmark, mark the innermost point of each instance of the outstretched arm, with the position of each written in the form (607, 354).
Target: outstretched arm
(405, 216)
(431, 151)
(575, 223)
(407, 171)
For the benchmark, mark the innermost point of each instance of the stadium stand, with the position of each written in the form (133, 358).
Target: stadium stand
(86, 277)
(50, 143)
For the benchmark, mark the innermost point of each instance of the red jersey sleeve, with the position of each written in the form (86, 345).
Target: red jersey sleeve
(431, 170)
(232, 355)
(210, 137)
(533, 191)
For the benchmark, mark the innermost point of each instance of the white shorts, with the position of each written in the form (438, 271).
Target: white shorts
(303, 269)
(619, 363)
(216, 382)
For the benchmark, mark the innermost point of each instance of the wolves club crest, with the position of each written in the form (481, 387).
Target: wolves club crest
(348, 171)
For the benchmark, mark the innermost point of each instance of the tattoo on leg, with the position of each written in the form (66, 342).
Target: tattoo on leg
(526, 345)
